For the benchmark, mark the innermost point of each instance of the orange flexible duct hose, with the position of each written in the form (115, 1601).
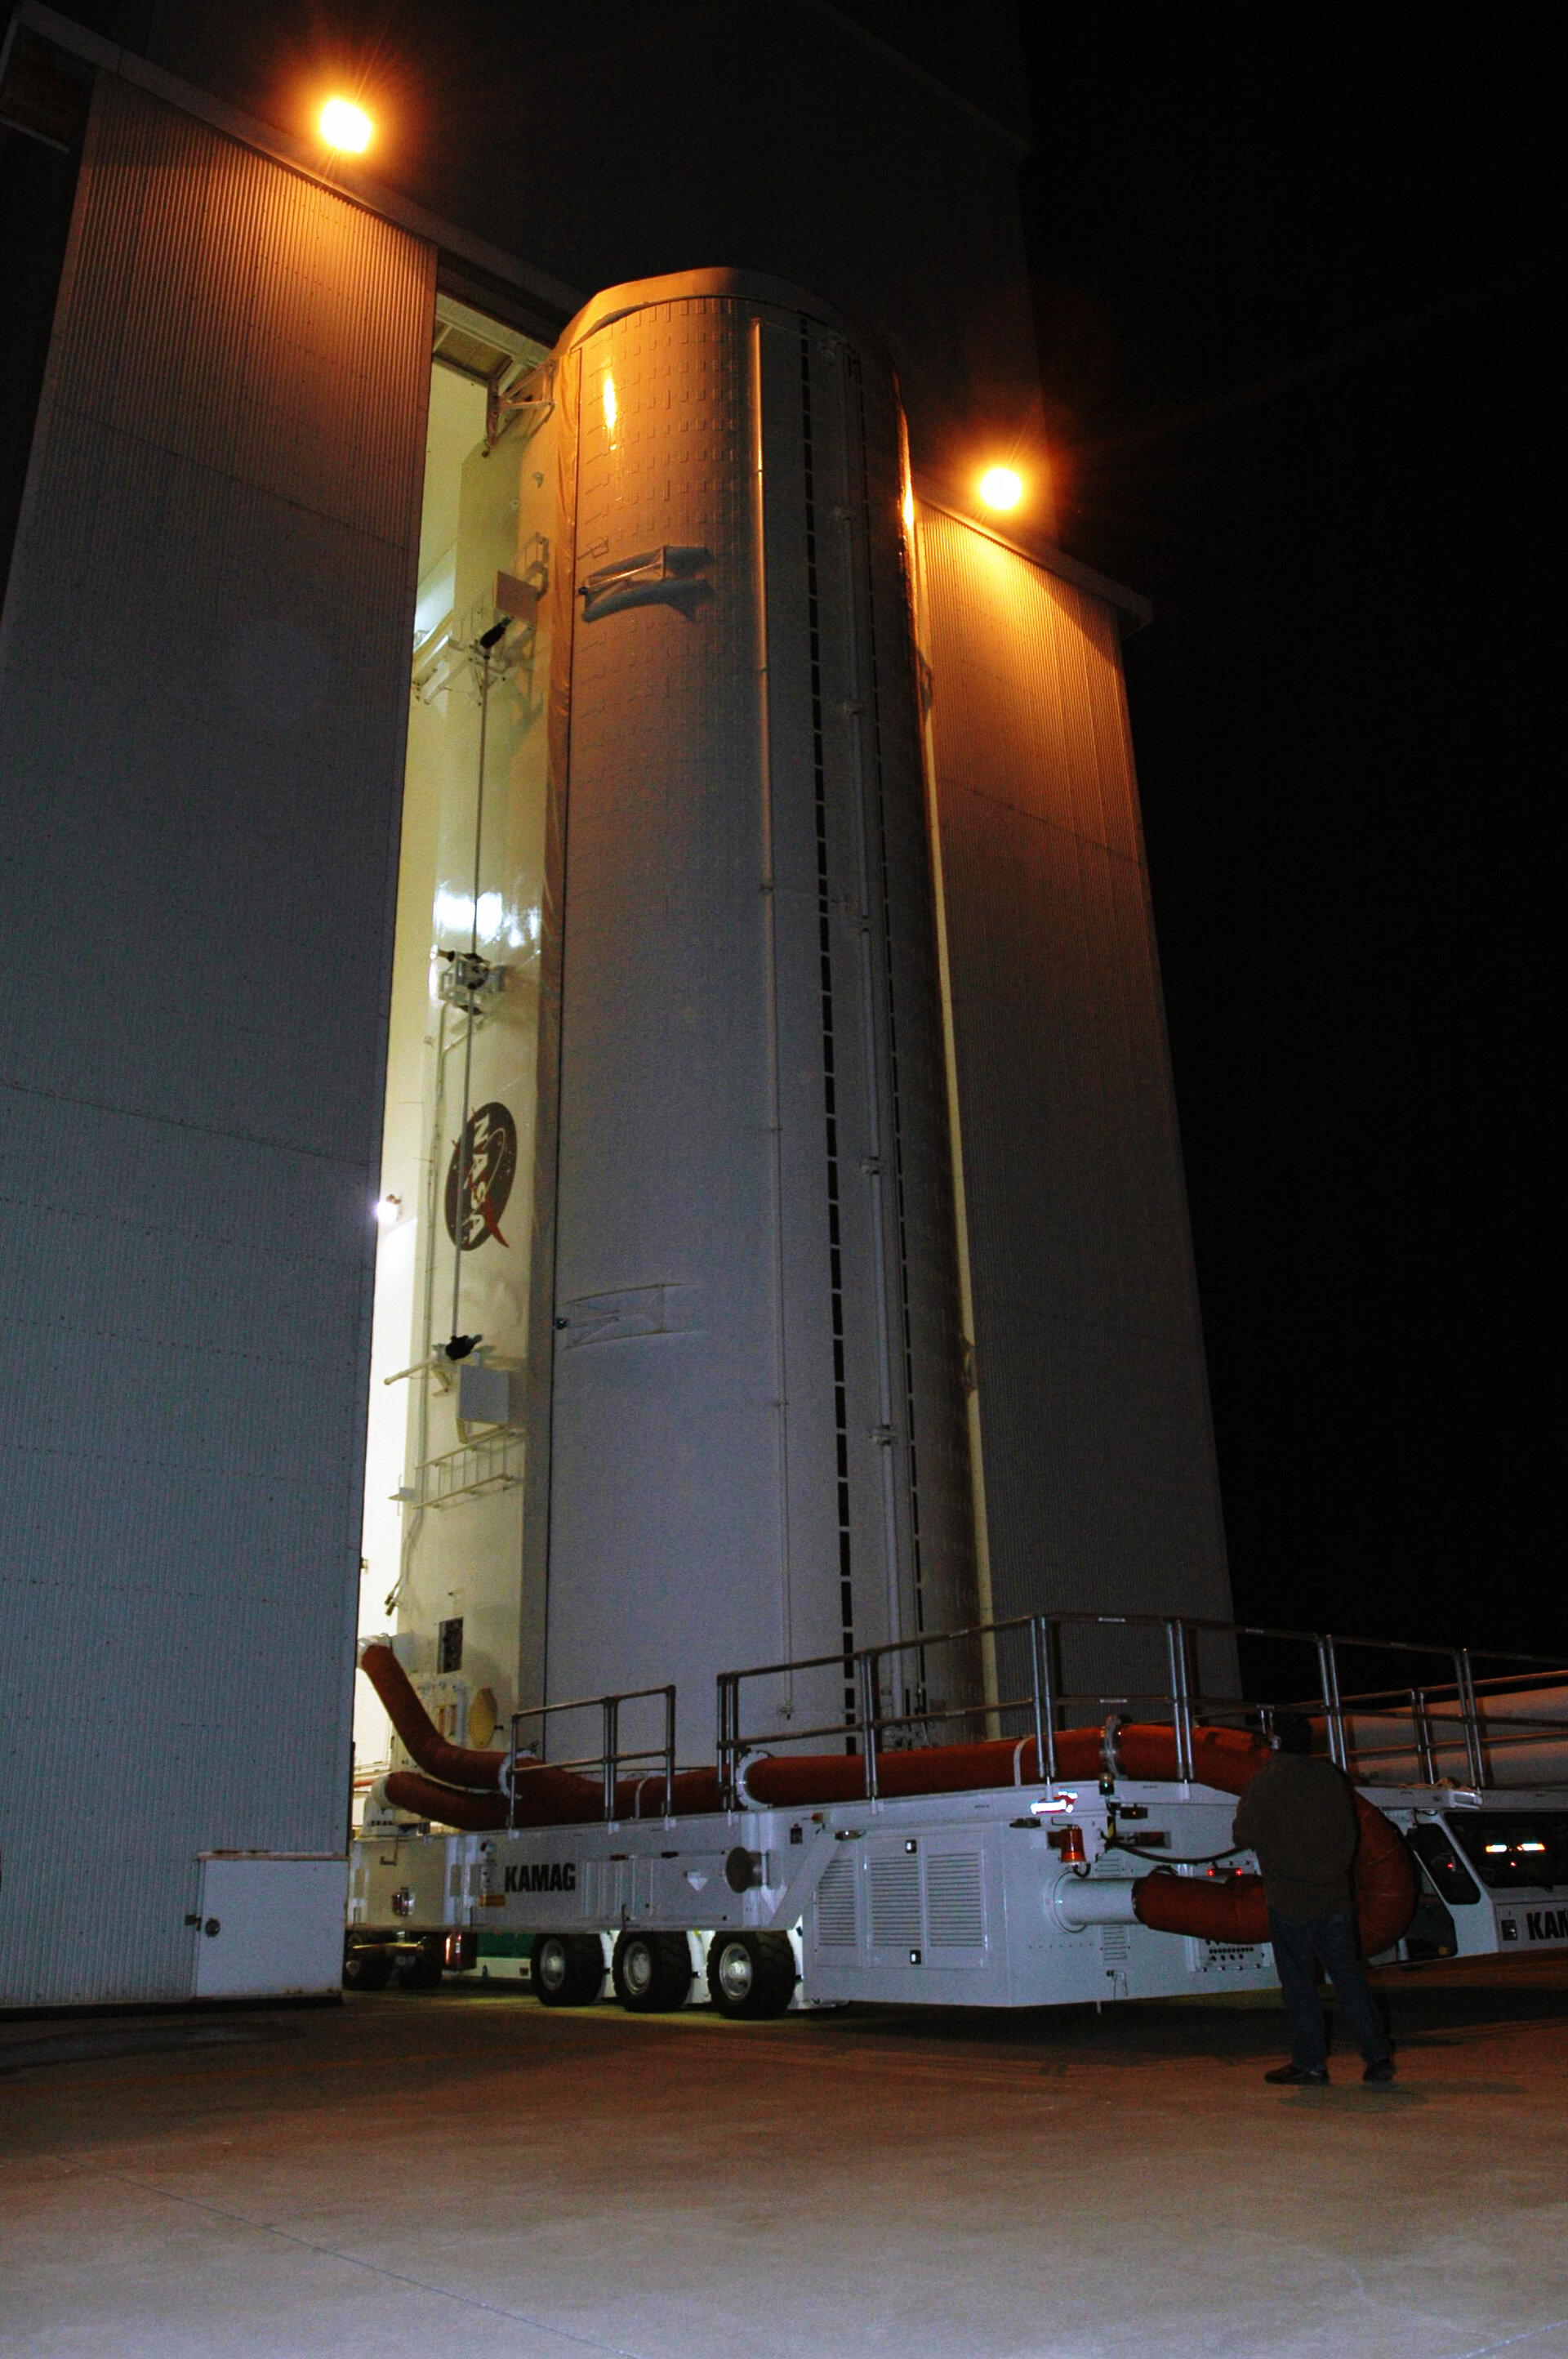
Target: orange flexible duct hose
(550, 1797)
(692, 1793)
(452, 1765)
(1234, 1908)
(546, 1798)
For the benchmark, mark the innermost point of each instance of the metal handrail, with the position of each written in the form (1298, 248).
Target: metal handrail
(612, 1759)
(1189, 1707)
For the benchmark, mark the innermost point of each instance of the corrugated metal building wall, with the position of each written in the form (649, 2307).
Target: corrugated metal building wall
(1099, 1476)
(202, 683)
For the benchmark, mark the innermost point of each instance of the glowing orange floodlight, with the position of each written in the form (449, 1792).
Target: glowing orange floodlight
(1000, 487)
(345, 126)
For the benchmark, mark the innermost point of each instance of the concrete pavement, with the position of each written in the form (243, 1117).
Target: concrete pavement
(409, 2175)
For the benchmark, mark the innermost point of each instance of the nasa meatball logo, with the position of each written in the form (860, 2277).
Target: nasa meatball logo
(483, 1165)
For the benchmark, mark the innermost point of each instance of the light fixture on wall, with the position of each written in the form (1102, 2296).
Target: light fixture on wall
(345, 127)
(1002, 487)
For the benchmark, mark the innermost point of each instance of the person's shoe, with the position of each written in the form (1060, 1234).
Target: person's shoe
(1384, 2070)
(1315, 2075)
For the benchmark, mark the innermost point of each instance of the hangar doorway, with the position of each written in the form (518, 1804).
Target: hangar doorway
(444, 1470)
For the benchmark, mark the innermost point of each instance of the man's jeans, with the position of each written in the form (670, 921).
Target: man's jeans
(1297, 1941)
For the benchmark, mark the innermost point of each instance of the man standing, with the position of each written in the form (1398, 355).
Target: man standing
(1299, 1816)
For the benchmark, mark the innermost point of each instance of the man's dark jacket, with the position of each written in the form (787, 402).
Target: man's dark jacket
(1299, 1816)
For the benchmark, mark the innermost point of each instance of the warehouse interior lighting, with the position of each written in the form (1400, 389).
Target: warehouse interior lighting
(1000, 487)
(343, 124)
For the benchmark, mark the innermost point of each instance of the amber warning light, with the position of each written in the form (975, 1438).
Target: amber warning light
(345, 126)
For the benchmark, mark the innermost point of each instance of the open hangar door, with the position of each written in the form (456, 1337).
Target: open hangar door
(203, 699)
(447, 1449)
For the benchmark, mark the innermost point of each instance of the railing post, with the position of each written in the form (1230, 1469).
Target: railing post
(611, 1742)
(726, 1765)
(1465, 1679)
(1044, 1752)
(669, 1753)
(1423, 1727)
(1191, 1673)
(866, 1666)
(1332, 1710)
(1181, 1706)
(1048, 1664)
(512, 1778)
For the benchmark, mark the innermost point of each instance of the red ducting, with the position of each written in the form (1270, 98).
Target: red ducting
(451, 1764)
(694, 1793)
(405, 1790)
(785, 1781)
(546, 1798)
(1233, 1909)
(550, 1797)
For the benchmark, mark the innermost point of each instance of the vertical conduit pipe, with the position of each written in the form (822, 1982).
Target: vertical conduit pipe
(983, 1589)
(770, 936)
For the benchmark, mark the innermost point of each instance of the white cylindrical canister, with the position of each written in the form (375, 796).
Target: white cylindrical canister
(756, 1443)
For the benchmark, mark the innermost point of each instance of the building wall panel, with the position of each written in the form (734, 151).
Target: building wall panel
(1099, 1478)
(202, 689)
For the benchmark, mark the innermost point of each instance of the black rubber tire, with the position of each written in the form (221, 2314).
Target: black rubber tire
(750, 1975)
(652, 1972)
(420, 1969)
(367, 1966)
(567, 1969)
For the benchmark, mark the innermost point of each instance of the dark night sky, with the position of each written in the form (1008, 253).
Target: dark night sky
(1288, 292)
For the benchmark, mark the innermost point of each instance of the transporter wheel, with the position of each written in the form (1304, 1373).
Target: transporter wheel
(569, 1969)
(652, 1972)
(367, 1966)
(751, 1974)
(420, 1969)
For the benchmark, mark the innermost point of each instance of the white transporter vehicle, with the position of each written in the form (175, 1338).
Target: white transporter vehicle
(958, 1874)
(772, 891)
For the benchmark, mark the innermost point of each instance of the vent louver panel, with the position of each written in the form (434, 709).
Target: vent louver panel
(836, 1906)
(954, 1902)
(895, 1902)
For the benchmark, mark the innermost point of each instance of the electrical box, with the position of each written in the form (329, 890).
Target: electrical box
(489, 1395)
(269, 1925)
